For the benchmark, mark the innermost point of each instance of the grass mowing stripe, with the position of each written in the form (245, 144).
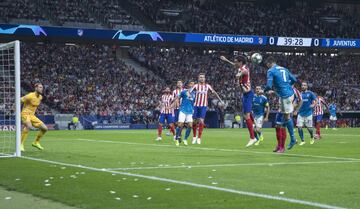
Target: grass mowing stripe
(231, 165)
(219, 149)
(252, 194)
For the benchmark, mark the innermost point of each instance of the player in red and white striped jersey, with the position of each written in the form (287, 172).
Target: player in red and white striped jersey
(201, 102)
(318, 114)
(243, 77)
(167, 112)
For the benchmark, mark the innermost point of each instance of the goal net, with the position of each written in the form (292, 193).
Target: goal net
(10, 125)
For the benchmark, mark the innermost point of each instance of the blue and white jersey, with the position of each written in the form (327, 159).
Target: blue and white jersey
(282, 80)
(332, 109)
(187, 101)
(307, 97)
(258, 105)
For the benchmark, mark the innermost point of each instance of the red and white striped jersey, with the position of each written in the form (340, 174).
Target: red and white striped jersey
(166, 100)
(176, 93)
(297, 95)
(201, 99)
(319, 107)
(244, 80)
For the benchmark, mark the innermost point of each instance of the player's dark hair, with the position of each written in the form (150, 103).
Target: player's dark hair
(37, 84)
(270, 60)
(188, 82)
(201, 74)
(241, 58)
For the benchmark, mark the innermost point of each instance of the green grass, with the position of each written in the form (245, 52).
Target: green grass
(326, 172)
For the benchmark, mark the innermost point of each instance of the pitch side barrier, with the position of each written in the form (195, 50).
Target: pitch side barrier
(125, 37)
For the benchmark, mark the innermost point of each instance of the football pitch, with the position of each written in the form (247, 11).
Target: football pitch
(129, 169)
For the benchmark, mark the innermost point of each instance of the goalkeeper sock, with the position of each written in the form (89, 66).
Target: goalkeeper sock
(24, 135)
(39, 135)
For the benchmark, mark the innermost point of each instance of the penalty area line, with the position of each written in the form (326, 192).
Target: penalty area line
(218, 149)
(196, 185)
(230, 165)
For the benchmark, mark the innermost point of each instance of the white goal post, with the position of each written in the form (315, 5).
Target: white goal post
(10, 121)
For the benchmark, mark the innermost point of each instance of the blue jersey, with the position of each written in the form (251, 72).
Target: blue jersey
(187, 102)
(282, 80)
(332, 109)
(258, 105)
(307, 97)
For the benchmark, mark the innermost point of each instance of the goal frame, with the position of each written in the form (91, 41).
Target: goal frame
(16, 46)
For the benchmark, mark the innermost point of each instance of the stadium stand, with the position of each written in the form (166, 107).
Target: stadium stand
(91, 13)
(251, 18)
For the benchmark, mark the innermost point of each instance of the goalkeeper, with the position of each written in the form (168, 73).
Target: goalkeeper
(30, 103)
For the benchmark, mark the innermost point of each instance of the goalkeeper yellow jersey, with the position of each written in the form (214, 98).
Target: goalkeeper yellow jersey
(30, 103)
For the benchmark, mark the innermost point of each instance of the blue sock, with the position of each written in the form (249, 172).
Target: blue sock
(301, 134)
(178, 132)
(290, 127)
(311, 132)
(187, 133)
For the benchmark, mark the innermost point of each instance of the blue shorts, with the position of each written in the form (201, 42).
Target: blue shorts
(168, 117)
(318, 118)
(279, 118)
(199, 112)
(247, 100)
(176, 115)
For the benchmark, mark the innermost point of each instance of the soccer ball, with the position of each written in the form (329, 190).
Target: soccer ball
(256, 58)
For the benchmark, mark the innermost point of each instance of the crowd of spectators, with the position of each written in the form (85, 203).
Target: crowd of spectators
(251, 18)
(89, 80)
(106, 12)
(333, 77)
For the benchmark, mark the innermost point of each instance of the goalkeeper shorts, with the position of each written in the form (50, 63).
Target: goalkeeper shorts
(35, 122)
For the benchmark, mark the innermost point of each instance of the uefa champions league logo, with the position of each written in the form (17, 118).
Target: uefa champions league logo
(37, 30)
(155, 36)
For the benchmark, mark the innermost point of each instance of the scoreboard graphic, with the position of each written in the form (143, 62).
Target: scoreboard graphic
(124, 36)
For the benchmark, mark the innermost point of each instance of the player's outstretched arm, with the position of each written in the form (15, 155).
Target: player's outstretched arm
(223, 58)
(218, 97)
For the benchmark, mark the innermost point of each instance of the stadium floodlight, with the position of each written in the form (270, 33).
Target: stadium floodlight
(10, 124)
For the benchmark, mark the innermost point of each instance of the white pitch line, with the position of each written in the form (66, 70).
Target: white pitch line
(217, 149)
(252, 194)
(230, 165)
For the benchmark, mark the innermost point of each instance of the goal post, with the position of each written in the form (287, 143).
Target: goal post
(10, 90)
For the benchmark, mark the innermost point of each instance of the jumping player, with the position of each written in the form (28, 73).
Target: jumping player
(167, 113)
(260, 104)
(279, 122)
(282, 80)
(305, 117)
(318, 114)
(187, 98)
(200, 106)
(243, 77)
(30, 103)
